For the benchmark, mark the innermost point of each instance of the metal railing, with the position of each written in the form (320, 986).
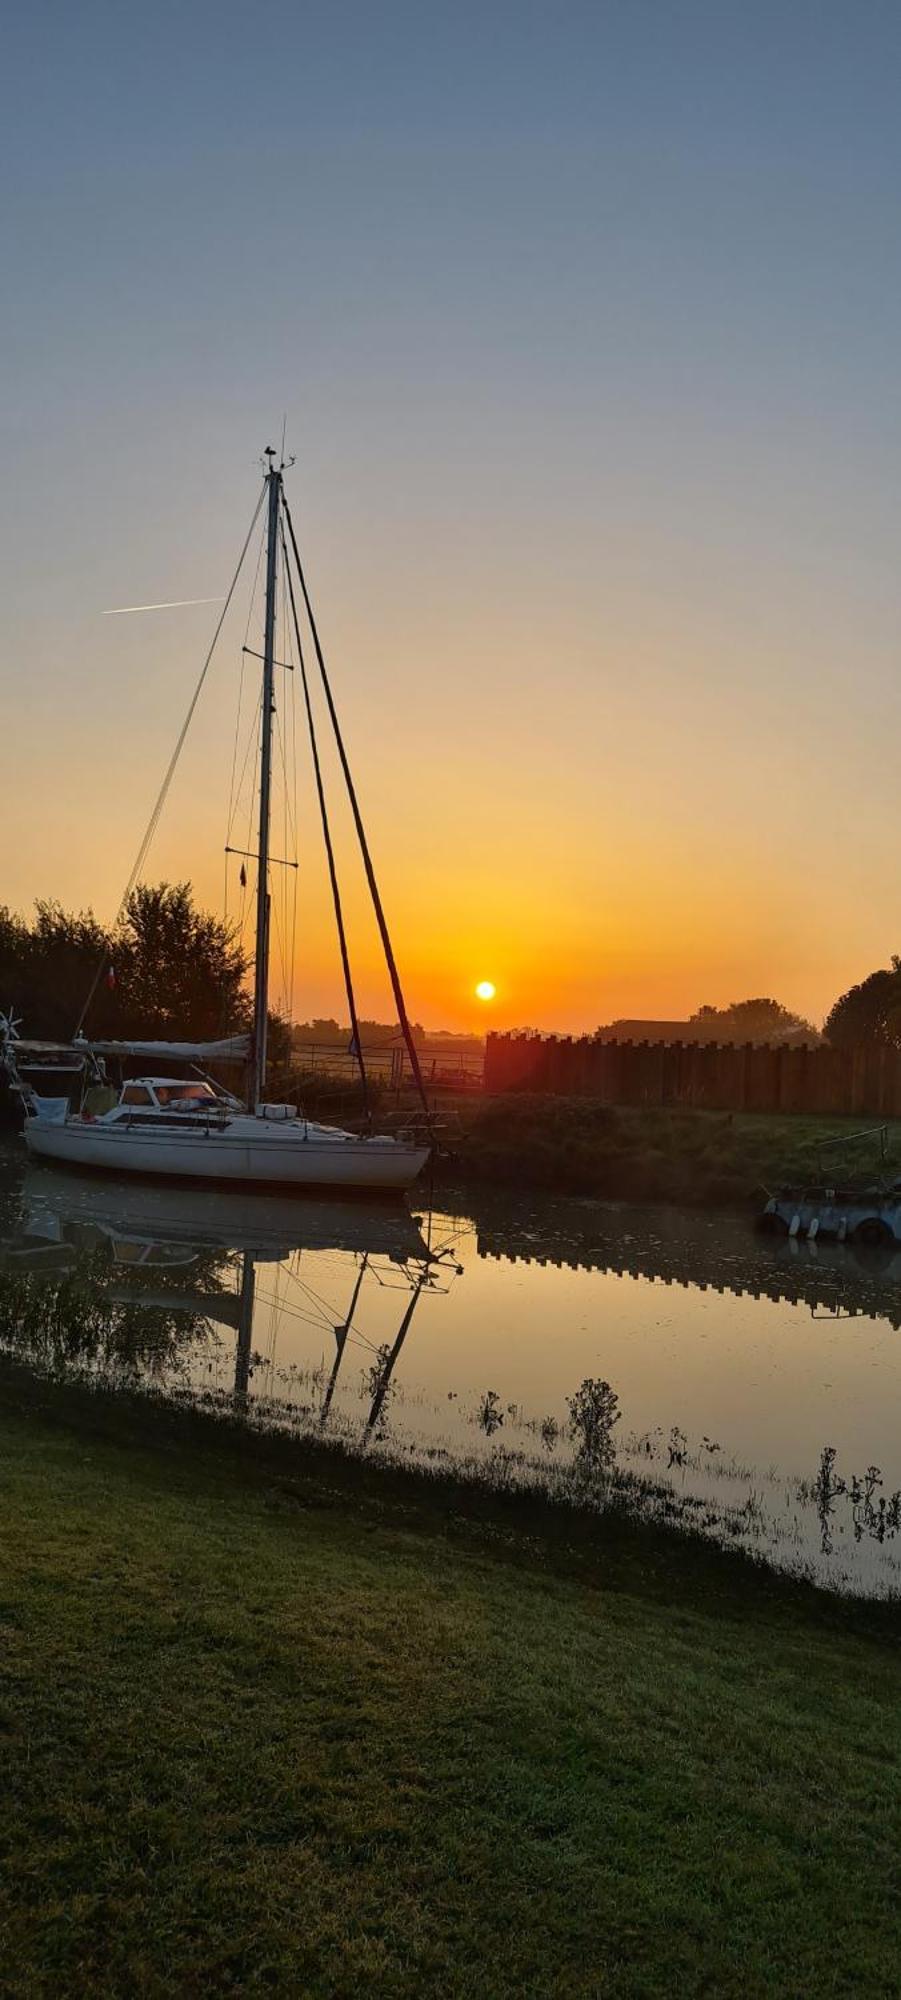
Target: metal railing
(389, 1063)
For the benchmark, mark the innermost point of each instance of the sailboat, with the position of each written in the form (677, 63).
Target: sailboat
(167, 1128)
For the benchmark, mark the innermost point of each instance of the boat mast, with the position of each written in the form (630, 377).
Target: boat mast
(261, 968)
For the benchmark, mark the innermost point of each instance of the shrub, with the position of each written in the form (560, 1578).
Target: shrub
(593, 1412)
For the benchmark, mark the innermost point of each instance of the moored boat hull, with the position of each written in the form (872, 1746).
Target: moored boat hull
(871, 1220)
(266, 1158)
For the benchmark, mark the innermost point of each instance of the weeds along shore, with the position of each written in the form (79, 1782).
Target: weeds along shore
(711, 1159)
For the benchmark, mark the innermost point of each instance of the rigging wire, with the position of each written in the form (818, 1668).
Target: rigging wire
(290, 840)
(253, 744)
(381, 920)
(236, 790)
(311, 1293)
(278, 752)
(355, 1338)
(327, 837)
(297, 845)
(170, 772)
(253, 593)
(290, 843)
(232, 796)
(279, 937)
(253, 741)
(289, 804)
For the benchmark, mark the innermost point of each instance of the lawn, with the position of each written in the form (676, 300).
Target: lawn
(576, 1145)
(275, 1722)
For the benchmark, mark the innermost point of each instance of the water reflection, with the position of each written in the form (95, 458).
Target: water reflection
(710, 1252)
(730, 1360)
(132, 1278)
(63, 1302)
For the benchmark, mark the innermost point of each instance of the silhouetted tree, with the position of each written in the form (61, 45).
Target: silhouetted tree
(182, 969)
(758, 1020)
(46, 970)
(173, 970)
(279, 1042)
(868, 1014)
(329, 1031)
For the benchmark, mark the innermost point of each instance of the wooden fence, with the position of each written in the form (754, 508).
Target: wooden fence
(701, 1075)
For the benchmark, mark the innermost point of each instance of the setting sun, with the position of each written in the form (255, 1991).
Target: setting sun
(485, 990)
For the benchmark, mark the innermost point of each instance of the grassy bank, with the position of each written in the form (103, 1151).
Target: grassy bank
(275, 1721)
(573, 1145)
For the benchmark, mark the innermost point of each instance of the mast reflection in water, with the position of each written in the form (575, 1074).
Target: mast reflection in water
(125, 1282)
(734, 1364)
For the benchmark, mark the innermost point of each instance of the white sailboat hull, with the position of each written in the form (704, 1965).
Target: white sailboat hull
(254, 1153)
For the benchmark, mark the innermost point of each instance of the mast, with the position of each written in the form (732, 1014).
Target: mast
(261, 967)
(245, 1329)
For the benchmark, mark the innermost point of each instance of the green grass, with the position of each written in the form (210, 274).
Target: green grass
(575, 1145)
(275, 1722)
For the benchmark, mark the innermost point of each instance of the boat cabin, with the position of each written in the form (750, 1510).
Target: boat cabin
(166, 1100)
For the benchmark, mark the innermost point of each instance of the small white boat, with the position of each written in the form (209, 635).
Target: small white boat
(169, 1129)
(189, 1131)
(871, 1217)
(853, 1212)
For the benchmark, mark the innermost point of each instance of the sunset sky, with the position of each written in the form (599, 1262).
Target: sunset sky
(586, 323)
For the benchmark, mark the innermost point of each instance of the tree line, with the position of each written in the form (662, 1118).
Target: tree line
(868, 1015)
(166, 971)
(169, 970)
(757, 1020)
(325, 1031)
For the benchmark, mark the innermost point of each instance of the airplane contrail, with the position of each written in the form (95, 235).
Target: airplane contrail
(177, 604)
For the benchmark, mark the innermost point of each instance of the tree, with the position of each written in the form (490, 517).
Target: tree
(322, 1029)
(176, 971)
(759, 1020)
(14, 944)
(46, 969)
(179, 971)
(868, 1015)
(279, 1041)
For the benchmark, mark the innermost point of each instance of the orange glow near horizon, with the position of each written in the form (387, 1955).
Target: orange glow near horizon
(612, 852)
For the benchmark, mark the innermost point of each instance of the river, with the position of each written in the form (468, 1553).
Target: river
(757, 1384)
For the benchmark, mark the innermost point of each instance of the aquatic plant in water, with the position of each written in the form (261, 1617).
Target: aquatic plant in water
(678, 1447)
(593, 1412)
(489, 1415)
(872, 1513)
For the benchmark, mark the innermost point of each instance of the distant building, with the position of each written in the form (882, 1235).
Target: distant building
(699, 1031)
(658, 1031)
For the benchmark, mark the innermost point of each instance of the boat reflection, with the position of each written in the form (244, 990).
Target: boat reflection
(145, 1271)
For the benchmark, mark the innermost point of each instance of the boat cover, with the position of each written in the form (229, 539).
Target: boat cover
(234, 1048)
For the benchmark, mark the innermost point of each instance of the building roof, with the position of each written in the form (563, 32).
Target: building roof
(659, 1031)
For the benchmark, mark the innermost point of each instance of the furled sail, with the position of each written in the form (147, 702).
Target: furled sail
(233, 1048)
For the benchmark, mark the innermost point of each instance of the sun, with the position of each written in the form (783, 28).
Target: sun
(485, 990)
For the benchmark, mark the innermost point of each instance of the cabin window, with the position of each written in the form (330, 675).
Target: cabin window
(135, 1093)
(185, 1093)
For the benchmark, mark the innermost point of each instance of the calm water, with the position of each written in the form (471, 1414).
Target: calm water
(461, 1336)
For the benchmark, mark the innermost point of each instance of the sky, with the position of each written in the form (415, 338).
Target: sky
(584, 322)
